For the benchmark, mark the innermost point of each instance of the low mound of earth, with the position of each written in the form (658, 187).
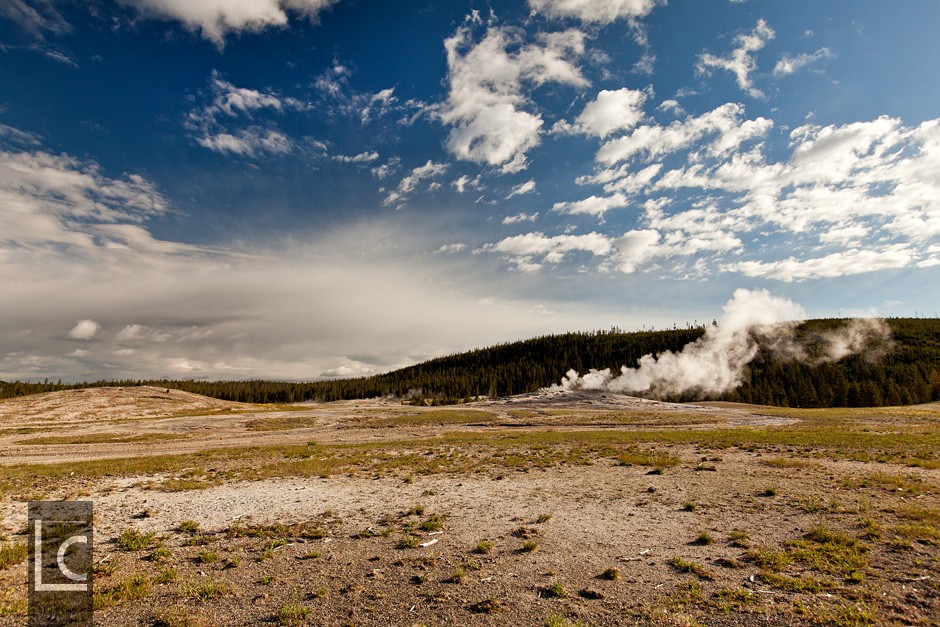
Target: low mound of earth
(543, 509)
(106, 403)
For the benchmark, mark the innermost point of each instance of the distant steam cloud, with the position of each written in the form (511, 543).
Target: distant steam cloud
(717, 362)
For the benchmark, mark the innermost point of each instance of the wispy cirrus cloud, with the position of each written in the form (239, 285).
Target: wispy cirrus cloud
(234, 120)
(787, 64)
(409, 183)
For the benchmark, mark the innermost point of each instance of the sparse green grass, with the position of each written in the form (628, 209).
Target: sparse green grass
(686, 566)
(769, 559)
(689, 506)
(634, 457)
(102, 438)
(611, 574)
(926, 534)
(12, 554)
(483, 547)
(207, 557)
(409, 541)
(457, 576)
(136, 587)
(872, 530)
(293, 614)
(836, 434)
(282, 423)
(529, 546)
(167, 575)
(203, 590)
(704, 539)
(831, 552)
(439, 417)
(739, 538)
(560, 620)
(134, 540)
(177, 617)
(555, 591)
(489, 605)
(434, 522)
(795, 584)
(729, 600)
(188, 526)
(769, 492)
(160, 554)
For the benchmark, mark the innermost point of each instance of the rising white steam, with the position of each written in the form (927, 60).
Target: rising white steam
(717, 362)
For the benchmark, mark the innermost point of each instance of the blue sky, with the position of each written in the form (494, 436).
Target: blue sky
(312, 188)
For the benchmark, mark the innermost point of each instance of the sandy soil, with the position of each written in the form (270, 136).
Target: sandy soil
(344, 554)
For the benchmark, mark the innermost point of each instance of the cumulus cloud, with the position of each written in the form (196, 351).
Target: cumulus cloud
(724, 124)
(842, 263)
(217, 19)
(847, 199)
(492, 120)
(410, 182)
(789, 65)
(610, 111)
(530, 251)
(740, 61)
(593, 205)
(602, 11)
(84, 330)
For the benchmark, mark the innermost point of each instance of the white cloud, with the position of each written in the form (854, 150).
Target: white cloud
(58, 202)
(610, 111)
(842, 263)
(465, 183)
(522, 188)
(593, 205)
(35, 17)
(386, 169)
(788, 65)
(217, 19)
(230, 105)
(489, 114)
(646, 64)
(362, 157)
(596, 11)
(635, 248)
(654, 141)
(450, 248)
(410, 182)
(521, 217)
(741, 61)
(250, 142)
(84, 330)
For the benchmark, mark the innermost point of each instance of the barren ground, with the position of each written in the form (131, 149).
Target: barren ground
(544, 509)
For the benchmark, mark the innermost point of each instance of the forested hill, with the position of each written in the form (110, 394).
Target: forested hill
(907, 373)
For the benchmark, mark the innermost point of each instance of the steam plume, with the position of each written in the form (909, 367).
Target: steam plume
(717, 362)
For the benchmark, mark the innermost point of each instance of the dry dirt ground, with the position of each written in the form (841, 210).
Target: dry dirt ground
(543, 509)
